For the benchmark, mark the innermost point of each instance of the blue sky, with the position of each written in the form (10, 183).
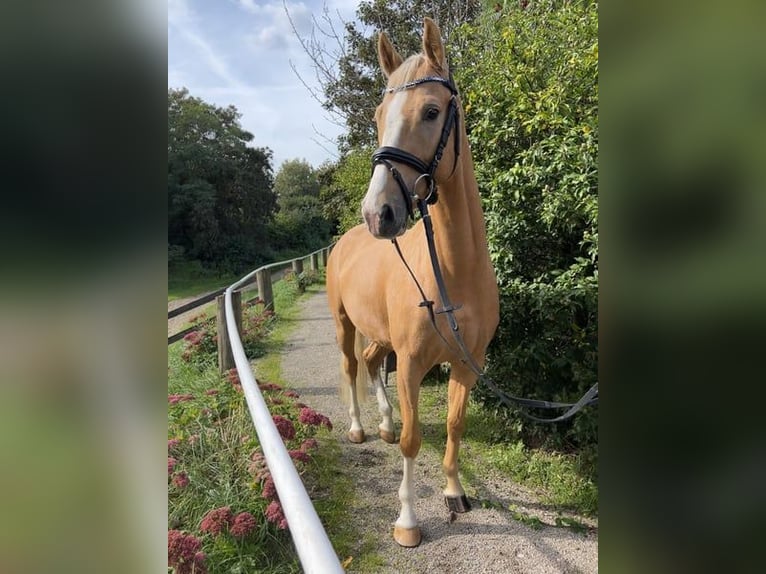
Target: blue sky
(239, 52)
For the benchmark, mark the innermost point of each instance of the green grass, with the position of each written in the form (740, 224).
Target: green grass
(217, 463)
(562, 481)
(189, 278)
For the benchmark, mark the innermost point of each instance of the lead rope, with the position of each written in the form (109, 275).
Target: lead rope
(589, 398)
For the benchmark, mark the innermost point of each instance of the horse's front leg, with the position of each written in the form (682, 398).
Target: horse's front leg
(408, 379)
(460, 384)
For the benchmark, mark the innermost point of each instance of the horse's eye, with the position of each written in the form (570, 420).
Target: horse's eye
(431, 114)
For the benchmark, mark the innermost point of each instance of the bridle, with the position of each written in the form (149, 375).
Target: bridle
(387, 154)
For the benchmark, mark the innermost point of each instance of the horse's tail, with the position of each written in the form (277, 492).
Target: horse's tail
(362, 382)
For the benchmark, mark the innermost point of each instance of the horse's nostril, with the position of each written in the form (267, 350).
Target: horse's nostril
(386, 213)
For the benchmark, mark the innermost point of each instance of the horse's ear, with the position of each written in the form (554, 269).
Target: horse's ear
(388, 57)
(432, 45)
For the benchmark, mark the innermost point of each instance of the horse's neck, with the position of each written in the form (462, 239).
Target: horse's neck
(458, 221)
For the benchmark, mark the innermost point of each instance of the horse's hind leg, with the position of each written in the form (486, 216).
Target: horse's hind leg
(460, 384)
(373, 358)
(346, 333)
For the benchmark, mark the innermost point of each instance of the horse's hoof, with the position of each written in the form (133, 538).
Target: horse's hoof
(356, 436)
(407, 537)
(458, 504)
(387, 436)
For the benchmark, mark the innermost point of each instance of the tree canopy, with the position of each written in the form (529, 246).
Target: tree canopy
(220, 196)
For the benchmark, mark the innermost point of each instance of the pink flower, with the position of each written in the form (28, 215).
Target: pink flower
(193, 338)
(232, 376)
(216, 520)
(173, 399)
(172, 462)
(242, 525)
(257, 468)
(309, 416)
(284, 426)
(292, 394)
(173, 443)
(300, 455)
(180, 480)
(269, 489)
(275, 515)
(184, 554)
(308, 444)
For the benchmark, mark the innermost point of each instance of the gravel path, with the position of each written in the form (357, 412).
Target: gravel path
(484, 540)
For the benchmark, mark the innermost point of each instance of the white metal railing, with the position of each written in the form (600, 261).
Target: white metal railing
(315, 552)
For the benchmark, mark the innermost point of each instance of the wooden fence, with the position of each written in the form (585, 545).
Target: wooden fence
(261, 279)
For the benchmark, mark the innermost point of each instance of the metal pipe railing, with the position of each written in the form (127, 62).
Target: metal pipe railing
(315, 551)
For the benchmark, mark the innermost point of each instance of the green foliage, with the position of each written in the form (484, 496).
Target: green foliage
(215, 461)
(220, 196)
(201, 345)
(529, 80)
(342, 193)
(300, 224)
(295, 178)
(301, 281)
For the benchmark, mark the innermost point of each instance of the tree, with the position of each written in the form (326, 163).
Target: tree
(220, 196)
(349, 76)
(344, 187)
(295, 178)
(299, 223)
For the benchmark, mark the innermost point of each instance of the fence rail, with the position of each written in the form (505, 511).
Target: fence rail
(314, 549)
(264, 277)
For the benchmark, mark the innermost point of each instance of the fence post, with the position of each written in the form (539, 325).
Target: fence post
(297, 266)
(264, 288)
(314, 262)
(225, 357)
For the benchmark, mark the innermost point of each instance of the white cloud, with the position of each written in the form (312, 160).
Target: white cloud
(183, 20)
(274, 29)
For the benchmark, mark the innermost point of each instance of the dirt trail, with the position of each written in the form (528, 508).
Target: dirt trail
(485, 540)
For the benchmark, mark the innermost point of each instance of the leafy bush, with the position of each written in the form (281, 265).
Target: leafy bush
(530, 92)
(344, 190)
(201, 345)
(301, 281)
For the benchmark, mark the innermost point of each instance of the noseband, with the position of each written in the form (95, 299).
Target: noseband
(387, 154)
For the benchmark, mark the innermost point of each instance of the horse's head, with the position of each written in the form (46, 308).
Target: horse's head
(415, 122)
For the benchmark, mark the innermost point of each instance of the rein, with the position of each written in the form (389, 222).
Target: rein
(589, 398)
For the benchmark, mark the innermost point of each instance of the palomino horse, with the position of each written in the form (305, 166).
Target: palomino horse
(373, 299)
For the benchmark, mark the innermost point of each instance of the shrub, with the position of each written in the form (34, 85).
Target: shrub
(301, 281)
(201, 345)
(224, 514)
(530, 93)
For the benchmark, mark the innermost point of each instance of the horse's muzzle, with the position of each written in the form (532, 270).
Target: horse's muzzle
(383, 223)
